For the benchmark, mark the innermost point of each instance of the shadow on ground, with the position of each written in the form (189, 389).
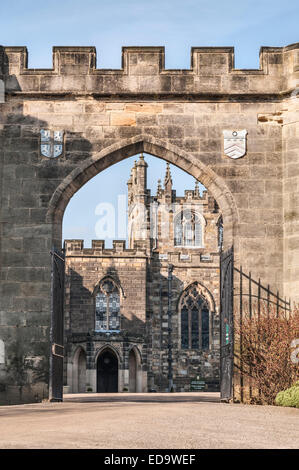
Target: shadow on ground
(207, 397)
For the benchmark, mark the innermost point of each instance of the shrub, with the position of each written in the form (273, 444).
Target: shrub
(263, 351)
(289, 397)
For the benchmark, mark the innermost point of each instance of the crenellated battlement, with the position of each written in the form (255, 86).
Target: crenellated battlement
(143, 71)
(76, 248)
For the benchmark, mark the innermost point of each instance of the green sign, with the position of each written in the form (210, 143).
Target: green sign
(197, 385)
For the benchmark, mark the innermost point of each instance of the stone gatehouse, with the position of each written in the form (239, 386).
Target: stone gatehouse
(118, 300)
(60, 127)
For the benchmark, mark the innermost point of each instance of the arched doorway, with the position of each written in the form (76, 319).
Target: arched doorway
(132, 372)
(79, 371)
(107, 372)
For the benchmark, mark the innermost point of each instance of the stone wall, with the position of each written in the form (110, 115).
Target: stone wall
(86, 267)
(290, 142)
(108, 115)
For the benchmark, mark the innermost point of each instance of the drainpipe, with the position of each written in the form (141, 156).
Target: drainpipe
(169, 312)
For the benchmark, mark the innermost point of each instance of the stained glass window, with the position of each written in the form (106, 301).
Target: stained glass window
(114, 305)
(194, 328)
(188, 239)
(178, 234)
(205, 328)
(184, 328)
(195, 320)
(188, 229)
(101, 311)
(107, 306)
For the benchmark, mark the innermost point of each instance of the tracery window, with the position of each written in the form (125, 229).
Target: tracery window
(188, 229)
(195, 320)
(107, 306)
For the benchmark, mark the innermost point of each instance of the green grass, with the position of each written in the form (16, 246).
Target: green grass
(289, 397)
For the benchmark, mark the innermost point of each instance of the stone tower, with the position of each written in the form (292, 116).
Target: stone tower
(138, 203)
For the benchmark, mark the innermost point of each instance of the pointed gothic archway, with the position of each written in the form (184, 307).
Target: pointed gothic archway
(135, 370)
(126, 148)
(107, 372)
(79, 371)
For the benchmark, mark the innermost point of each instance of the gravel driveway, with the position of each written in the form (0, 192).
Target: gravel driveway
(148, 421)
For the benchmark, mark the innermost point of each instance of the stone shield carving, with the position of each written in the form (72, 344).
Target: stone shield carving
(51, 145)
(235, 143)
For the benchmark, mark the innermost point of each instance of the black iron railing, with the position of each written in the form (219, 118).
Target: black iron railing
(252, 298)
(257, 295)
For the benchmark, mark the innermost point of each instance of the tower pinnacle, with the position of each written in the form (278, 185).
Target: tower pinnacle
(168, 183)
(167, 178)
(141, 161)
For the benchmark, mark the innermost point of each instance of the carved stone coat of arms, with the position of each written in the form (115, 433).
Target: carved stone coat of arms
(235, 143)
(51, 143)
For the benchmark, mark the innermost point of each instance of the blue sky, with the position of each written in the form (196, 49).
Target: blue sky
(109, 25)
(84, 216)
(178, 25)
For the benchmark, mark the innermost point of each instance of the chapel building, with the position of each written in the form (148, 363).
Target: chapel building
(146, 318)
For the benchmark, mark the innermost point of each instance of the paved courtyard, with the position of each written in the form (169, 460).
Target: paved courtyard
(147, 421)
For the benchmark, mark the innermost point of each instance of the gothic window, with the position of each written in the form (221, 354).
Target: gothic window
(195, 320)
(188, 229)
(107, 306)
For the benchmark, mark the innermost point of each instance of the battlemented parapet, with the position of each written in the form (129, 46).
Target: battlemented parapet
(76, 248)
(86, 267)
(143, 71)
